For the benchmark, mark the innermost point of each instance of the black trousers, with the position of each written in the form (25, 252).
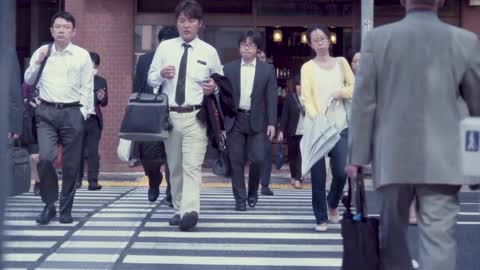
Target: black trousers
(62, 126)
(243, 144)
(295, 157)
(152, 170)
(91, 142)
(152, 156)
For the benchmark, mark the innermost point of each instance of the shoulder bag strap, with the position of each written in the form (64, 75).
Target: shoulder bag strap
(299, 105)
(42, 67)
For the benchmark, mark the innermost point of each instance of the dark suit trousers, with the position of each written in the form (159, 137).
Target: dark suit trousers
(243, 143)
(152, 170)
(266, 170)
(65, 127)
(295, 157)
(91, 142)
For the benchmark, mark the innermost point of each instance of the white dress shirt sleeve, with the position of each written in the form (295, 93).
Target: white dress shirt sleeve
(86, 88)
(216, 64)
(33, 69)
(155, 80)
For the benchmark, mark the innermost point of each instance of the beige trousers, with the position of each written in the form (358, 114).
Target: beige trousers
(186, 147)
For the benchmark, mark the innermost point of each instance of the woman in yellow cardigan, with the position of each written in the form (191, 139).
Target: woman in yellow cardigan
(326, 83)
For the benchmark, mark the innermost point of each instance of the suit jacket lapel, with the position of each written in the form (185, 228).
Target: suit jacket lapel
(237, 86)
(256, 77)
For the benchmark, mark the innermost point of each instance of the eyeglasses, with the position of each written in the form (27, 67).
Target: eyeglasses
(248, 44)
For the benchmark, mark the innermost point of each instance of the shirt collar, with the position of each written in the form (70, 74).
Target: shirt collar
(68, 49)
(193, 43)
(253, 64)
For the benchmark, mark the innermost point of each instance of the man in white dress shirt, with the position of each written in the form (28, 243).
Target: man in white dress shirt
(65, 101)
(183, 67)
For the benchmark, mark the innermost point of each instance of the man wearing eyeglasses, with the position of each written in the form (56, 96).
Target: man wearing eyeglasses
(254, 92)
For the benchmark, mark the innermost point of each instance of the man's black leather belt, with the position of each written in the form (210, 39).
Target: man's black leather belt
(185, 109)
(61, 105)
(244, 111)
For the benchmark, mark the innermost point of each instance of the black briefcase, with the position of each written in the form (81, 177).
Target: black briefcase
(20, 171)
(146, 118)
(361, 247)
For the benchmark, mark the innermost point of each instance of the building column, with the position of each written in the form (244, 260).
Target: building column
(106, 27)
(367, 16)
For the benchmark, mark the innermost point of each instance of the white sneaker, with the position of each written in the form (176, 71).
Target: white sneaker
(321, 227)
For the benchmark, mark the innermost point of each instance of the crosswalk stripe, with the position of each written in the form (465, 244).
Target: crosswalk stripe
(252, 225)
(231, 261)
(29, 244)
(243, 235)
(79, 257)
(245, 216)
(21, 257)
(238, 247)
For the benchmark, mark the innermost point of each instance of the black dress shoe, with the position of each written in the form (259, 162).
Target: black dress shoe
(267, 191)
(166, 202)
(94, 186)
(175, 220)
(36, 189)
(153, 193)
(252, 201)
(66, 218)
(189, 221)
(241, 207)
(48, 213)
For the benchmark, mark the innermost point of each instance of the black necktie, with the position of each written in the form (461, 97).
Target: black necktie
(182, 74)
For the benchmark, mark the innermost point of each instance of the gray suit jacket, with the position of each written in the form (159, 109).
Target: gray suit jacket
(264, 95)
(405, 111)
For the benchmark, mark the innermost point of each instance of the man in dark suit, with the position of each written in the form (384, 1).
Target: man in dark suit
(93, 128)
(291, 127)
(152, 154)
(254, 92)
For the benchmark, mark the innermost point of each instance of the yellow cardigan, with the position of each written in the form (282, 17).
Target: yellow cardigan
(312, 107)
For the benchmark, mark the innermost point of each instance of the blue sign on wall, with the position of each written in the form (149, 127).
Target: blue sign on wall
(472, 141)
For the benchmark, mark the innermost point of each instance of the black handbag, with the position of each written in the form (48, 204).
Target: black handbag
(221, 165)
(29, 128)
(20, 170)
(146, 118)
(29, 125)
(361, 246)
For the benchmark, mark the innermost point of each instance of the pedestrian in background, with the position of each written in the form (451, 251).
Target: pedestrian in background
(291, 128)
(152, 154)
(93, 128)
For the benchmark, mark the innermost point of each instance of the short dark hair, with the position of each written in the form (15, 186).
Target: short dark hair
(95, 58)
(190, 8)
(296, 80)
(64, 15)
(314, 27)
(167, 32)
(254, 36)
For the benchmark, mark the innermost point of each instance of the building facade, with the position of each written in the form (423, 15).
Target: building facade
(121, 30)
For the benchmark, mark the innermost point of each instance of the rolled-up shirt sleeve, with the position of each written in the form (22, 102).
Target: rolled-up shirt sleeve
(155, 80)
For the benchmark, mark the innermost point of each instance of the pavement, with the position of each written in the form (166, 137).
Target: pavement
(117, 228)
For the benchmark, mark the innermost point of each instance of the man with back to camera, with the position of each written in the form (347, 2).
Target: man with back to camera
(183, 66)
(65, 101)
(405, 118)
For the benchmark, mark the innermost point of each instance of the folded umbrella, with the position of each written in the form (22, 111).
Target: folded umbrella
(319, 138)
